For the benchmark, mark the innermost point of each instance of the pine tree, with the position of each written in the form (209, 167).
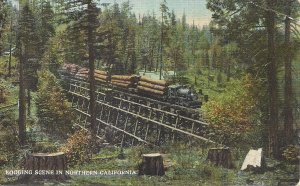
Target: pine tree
(164, 40)
(288, 89)
(247, 24)
(46, 27)
(3, 18)
(25, 51)
(84, 13)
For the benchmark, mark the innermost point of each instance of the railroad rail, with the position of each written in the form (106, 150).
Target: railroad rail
(128, 119)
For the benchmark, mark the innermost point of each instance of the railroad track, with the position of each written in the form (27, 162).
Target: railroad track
(146, 100)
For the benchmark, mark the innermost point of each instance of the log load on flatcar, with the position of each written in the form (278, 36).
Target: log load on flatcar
(141, 85)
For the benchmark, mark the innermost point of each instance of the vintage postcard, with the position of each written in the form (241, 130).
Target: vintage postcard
(141, 92)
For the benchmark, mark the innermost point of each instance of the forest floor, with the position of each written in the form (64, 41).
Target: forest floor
(186, 166)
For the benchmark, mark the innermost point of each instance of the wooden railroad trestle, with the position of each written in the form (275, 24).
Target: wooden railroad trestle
(127, 119)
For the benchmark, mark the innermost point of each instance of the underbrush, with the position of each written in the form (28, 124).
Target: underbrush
(187, 166)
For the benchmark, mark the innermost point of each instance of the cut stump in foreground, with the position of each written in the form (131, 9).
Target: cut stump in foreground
(46, 166)
(152, 164)
(254, 161)
(220, 157)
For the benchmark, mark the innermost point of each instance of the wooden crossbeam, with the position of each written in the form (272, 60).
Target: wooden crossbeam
(190, 110)
(121, 130)
(146, 119)
(156, 109)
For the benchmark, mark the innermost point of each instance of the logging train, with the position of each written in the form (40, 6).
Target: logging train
(157, 89)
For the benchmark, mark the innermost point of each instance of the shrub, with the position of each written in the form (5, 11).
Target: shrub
(44, 147)
(231, 113)
(9, 147)
(79, 147)
(53, 110)
(8, 138)
(290, 153)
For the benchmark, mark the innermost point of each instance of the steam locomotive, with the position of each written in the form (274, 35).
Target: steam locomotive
(157, 89)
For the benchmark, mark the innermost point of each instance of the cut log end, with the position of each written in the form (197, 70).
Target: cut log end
(254, 161)
(152, 164)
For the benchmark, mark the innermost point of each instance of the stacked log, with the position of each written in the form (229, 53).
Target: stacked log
(82, 73)
(100, 76)
(152, 87)
(153, 81)
(70, 68)
(123, 81)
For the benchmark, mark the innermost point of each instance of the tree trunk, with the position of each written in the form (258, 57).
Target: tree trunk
(161, 46)
(272, 83)
(92, 108)
(152, 165)
(22, 100)
(288, 91)
(10, 47)
(28, 102)
(220, 157)
(46, 166)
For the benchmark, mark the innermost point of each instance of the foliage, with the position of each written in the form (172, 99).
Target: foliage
(230, 114)
(53, 110)
(3, 96)
(78, 148)
(44, 147)
(52, 57)
(291, 153)
(46, 27)
(3, 21)
(8, 137)
(28, 49)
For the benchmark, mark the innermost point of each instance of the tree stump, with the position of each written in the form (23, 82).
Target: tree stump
(220, 157)
(254, 160)
(46, 166)
(152, 164)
